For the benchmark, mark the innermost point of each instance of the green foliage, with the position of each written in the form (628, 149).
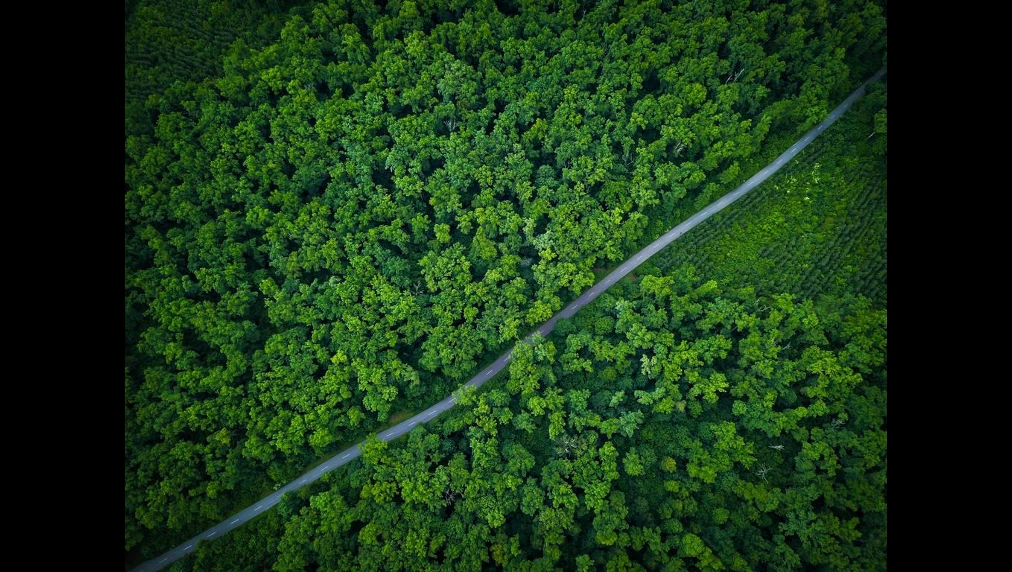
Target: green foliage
(185, 40)
(816, 227)
(786, 468)
(335, 213)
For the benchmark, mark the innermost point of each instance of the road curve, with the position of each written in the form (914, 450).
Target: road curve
(495, 367)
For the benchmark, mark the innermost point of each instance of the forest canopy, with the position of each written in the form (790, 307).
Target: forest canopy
(336, 212)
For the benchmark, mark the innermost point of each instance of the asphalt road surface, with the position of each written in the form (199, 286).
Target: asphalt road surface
(495, 367)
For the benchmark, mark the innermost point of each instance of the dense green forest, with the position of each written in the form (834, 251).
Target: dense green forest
(336, 212)
(671, 426)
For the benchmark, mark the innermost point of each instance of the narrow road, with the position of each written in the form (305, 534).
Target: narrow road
(495, 367)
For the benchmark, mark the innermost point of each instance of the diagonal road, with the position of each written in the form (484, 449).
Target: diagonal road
(495, 367)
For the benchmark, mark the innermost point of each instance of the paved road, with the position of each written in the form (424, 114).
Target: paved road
(495, 367)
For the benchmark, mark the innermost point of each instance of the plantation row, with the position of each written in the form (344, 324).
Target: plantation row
(817, 226)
